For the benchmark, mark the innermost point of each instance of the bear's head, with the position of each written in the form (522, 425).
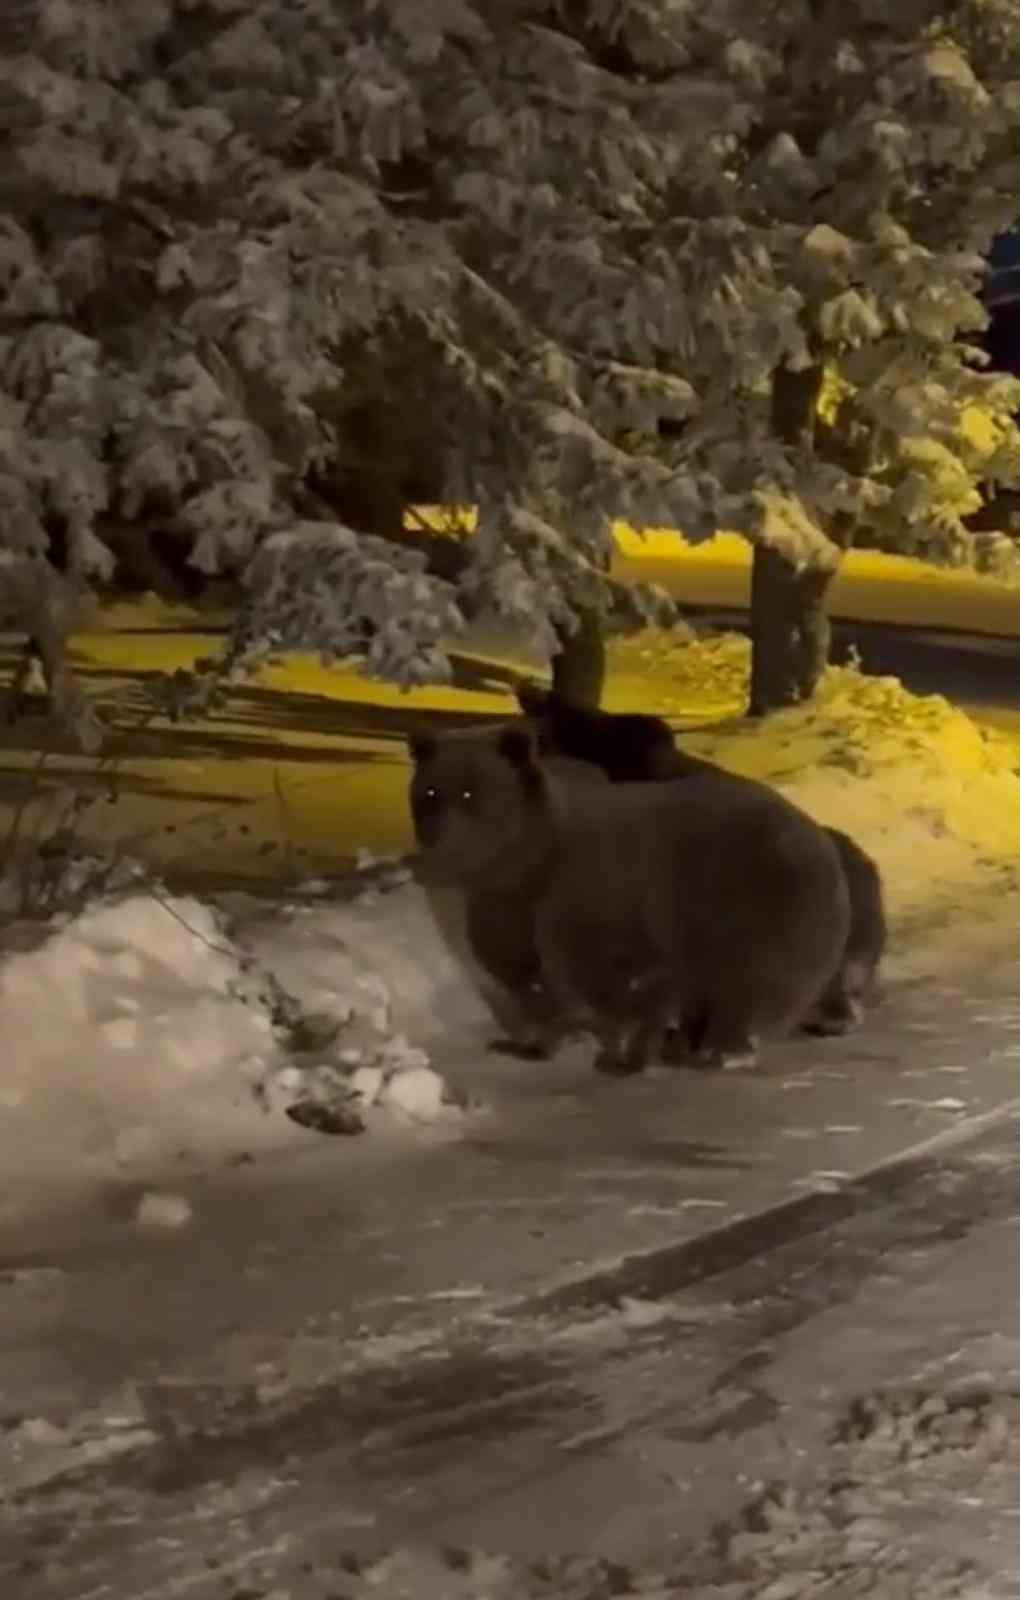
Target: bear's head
(480, 804)
(628, 747)
(533, 699)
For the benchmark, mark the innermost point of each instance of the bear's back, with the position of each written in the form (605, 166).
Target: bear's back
(707, 833)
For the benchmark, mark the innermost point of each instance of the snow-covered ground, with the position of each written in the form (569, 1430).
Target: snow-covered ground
(150, 1034)
(141, 1039)
(836, 1417)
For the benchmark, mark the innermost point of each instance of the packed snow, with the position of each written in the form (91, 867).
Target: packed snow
(149, 1033)
(141, 1038)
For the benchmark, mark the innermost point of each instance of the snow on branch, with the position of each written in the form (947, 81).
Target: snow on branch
(322, 587)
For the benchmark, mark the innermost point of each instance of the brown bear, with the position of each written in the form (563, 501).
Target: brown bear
(635, 748)
(629, 747)
(855, 983)
(490, 931)
(622, 907)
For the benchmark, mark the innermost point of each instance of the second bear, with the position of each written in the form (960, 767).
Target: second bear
(637, 748)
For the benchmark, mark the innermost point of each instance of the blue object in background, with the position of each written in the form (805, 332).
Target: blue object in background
(1005, 251)
(1002, 283)
(1001, 295)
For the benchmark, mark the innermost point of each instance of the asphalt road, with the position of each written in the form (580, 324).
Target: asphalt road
(567, 1425)
(482, 1380)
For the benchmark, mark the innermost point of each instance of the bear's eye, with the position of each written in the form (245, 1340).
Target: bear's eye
(430, 794)
(467, 795)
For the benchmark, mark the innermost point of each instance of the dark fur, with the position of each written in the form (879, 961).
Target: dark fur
(855, 983)
(491, 931)
(629, 747)
(638, 748)
(703, 900)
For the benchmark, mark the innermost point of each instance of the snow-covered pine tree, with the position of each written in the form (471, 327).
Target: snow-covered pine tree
(611, 248)
(880, 154)
(825, 247)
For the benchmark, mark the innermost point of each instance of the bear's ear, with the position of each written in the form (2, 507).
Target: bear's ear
(532, 699)
(422, 746)
(517, 745)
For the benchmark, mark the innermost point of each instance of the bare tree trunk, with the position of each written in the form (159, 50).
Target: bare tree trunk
(790, 633)
(579, 666)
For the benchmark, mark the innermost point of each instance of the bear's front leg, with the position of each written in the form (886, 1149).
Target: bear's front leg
(650, 1003)
(530, 1029)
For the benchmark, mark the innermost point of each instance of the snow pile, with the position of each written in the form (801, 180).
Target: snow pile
(934, 1434)
(828, 1539)
(138, 1036)
(387, 941)
(906, 1466)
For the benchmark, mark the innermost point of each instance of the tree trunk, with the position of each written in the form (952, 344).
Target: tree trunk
(1000, 513)
(790, 631)
(579, 666)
